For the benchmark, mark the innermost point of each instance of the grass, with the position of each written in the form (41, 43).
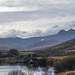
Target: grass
(21, 53)
(25, 53)
(4, 52)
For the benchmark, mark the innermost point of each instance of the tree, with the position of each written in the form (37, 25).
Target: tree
(0, 53)
(13, 52)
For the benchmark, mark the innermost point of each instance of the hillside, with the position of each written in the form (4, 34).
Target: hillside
(43, 43)
(58, 50)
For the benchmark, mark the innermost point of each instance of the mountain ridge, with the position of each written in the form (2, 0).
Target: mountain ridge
(28, 42)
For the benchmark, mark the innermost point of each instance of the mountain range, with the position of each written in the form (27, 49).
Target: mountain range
(39, 42)
(54, 39)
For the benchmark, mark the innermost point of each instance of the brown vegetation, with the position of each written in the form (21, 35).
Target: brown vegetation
(67, 64)
(70, 51)
(53, 58)
(67, 73)
(9, 59)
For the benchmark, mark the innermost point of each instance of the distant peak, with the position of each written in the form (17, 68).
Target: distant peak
(71, 30)
(62, 31)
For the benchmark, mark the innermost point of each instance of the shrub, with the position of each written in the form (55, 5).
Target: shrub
(50, 63)
(42, 62)
(67, 64)
(0, 53)
(13, 52)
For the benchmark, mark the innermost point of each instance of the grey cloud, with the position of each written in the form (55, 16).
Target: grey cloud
(36, 33)
(10, 33)
(56, 26)
(46, 11)
(21, 34)
(71, 24)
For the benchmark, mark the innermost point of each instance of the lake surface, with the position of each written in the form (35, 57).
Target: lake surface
(5, 69)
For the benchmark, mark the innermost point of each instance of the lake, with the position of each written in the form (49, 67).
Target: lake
(5, 69)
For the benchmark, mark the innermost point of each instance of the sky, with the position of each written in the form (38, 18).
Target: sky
(33, 18)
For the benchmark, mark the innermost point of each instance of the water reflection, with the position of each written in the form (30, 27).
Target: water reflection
(4, 69)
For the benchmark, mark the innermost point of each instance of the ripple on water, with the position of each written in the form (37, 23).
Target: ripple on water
(39, 71)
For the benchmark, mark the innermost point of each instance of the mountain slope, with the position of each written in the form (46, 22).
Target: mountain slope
(43, 43)
(58, 49)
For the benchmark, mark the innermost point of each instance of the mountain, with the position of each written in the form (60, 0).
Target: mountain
(58, 50)
(18, 41)
(39, 42)
(65, 35)
(6, 48)
(43, 43)
(54, 39)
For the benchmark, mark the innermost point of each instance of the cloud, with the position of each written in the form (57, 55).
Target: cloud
(56, 26)
(10, 33)
(35, 17)
(19, 5)
(22, 34)
(10, 9)
(22, 10)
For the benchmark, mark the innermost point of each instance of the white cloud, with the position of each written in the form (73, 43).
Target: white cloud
(10, 9)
